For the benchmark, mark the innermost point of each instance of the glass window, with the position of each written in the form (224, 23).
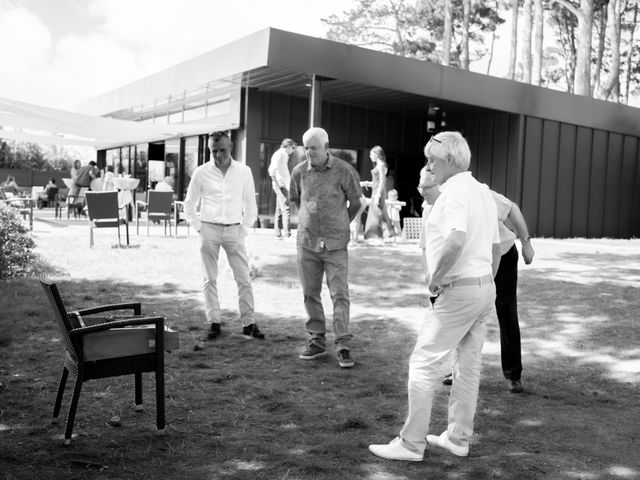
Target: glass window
(190, 160)
(140, 171)
(171, 157)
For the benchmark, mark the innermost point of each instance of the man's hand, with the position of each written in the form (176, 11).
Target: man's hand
(527, 251)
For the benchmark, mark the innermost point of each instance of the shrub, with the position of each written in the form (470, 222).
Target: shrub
(16, 244)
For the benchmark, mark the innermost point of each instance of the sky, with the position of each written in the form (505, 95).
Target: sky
(59, 53)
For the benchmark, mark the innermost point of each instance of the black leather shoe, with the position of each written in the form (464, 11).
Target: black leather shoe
(252, 331)
(448, 379)
(514, 386)
(214, 332)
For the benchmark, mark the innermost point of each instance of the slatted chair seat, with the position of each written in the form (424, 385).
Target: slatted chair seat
(80, 331)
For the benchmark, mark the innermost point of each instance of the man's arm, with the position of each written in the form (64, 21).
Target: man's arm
(450, 254)
(294, 193)
(354, 206)
(191, 202)
(249, 207)
(495, 258)
(520, 226)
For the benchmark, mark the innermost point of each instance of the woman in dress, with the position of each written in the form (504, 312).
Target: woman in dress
(378, 225)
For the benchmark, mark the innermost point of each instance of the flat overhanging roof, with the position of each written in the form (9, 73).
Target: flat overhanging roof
(278, 61)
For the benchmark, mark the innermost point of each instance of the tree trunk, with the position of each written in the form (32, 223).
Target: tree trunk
(526, 41)
(538, 49)
(583, 60)
(493, 42)
(609, 86)
(446, 35)
(631, 50)
(513, 48)
(595, 80)
(466, 14)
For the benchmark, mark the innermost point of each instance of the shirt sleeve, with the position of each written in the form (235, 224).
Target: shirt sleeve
(352, 187)
(273, 166)
(192, 200)
(503, 205)
(249, 207)
(294, 189)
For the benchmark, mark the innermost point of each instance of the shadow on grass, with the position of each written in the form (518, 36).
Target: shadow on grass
(243, 409)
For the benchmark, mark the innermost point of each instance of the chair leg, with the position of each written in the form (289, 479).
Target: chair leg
(160, 420)
(119, 243)
(72, 410)
(126, 229)
(90, 236)
(138, 390)
(56, 406)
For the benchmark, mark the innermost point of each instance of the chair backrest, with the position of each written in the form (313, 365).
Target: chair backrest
(60, 312)
(102, 205)
(160, 202)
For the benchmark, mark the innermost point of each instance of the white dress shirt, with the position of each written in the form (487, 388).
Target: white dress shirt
(226, 199)
(279, 168)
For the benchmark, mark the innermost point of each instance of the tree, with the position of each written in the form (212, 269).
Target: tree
(526, 40)
(513, 48)
(447, 32)
(466, 18)
(538, 24)
(612, 83)
(584, 16)
(630, 54)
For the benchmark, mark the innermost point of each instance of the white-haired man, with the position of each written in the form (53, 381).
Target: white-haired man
(462, 251)
(327, 192)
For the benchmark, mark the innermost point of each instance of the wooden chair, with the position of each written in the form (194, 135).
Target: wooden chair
(157, 207)
(85, 360)
(180, 215)
(104, 212)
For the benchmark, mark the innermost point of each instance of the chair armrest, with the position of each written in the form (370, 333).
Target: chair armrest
(135, 306)
(141, 203)
(125, 322)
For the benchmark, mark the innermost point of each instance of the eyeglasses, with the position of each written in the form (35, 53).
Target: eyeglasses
(215, 136)
(434, 139)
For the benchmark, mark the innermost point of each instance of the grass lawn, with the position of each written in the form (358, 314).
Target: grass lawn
(242, 409)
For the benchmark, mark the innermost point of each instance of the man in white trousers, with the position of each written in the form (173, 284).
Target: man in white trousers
(462, 250)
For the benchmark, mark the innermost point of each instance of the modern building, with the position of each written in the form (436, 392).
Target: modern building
(570, 162)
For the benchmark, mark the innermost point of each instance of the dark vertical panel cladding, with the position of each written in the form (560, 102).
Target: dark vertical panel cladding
(548, 177)
(635, 203)
(469, 128)
(597, 184)
(581, 180)
(338, 123)
(514, 175)
(394, 134)
(629, 165)
(531, 174)
(564, 194)
(278, 116)
(299, 115)
(613, 185)
(412, 140)
(500, 156)
(359, 125)
(485, 149)
(376, 129)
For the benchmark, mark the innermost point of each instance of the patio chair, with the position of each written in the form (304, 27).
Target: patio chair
(102, 347)
(180, 215)
(157, 207)
(104, 212)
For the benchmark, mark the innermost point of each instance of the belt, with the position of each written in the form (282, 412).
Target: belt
(470, 281)
(224, 224)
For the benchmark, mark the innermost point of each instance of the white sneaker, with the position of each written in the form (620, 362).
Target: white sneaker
(444, 442)
(395, 451)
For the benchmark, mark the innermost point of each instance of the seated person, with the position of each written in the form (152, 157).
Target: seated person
(10, 185)
(165, 185)
(50, 192)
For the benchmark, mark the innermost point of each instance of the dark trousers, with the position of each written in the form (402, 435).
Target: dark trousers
(507, 310)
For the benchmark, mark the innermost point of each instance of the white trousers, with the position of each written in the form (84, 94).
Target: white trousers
(457, 323)
(231, 238)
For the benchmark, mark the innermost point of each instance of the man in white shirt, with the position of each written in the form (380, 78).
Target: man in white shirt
(224, 190)
(462, 249)
(280, 180)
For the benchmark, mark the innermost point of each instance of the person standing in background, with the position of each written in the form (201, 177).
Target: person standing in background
(280, 180)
